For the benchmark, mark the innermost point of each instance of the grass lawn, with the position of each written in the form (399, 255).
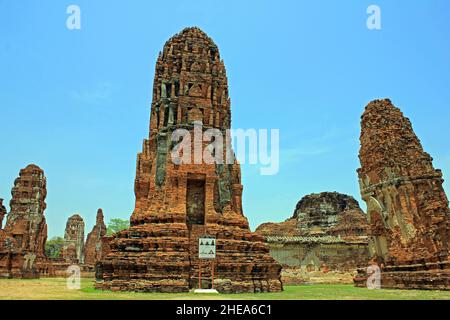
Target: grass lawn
(55, 288)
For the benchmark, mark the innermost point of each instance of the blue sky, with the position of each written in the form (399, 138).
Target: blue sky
(77, 102)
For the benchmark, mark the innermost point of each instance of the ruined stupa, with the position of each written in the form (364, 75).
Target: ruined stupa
(73, 249)
(178, 203)
(22, 242)
(93, 251)
(327, 232)
(407, 207)
(321, 214)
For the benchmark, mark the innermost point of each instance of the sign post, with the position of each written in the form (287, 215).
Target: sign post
(206, 251)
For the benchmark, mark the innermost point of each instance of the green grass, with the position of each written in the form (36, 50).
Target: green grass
(55, 288)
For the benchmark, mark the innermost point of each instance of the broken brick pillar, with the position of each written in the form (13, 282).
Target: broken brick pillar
(407, 207)
(93, 248)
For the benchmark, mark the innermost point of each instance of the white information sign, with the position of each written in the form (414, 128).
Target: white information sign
(206, 248)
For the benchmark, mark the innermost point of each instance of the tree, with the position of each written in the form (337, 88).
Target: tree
(53, 247)
(116, 225)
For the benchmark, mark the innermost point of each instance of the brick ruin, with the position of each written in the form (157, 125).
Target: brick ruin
(77, 252)
(93, 251)
(73, 249)
(22, 242)
(178, 203)
(2, 213)
(321, 214)
(327, 233)
(406, 204)
(3, 243)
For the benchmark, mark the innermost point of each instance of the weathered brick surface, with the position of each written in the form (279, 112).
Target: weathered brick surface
(407, 207)
(93, 251)
(175, 204)
(22, 242)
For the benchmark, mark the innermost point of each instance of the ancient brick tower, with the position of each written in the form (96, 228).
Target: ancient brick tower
(175, 204)
(93, 248)
(22, 249)
(73, 250)
(406, 205)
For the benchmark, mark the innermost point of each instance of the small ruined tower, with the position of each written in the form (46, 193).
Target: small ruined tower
(176, 203)
(26, 221)
(407, 207)
(93, 247)
(2, 213)
(26, 229)
(73, 250)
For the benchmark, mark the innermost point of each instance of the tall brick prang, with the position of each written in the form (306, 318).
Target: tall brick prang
(177, 203)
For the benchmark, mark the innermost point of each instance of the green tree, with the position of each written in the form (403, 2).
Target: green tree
(116, 225)
(53, 247)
